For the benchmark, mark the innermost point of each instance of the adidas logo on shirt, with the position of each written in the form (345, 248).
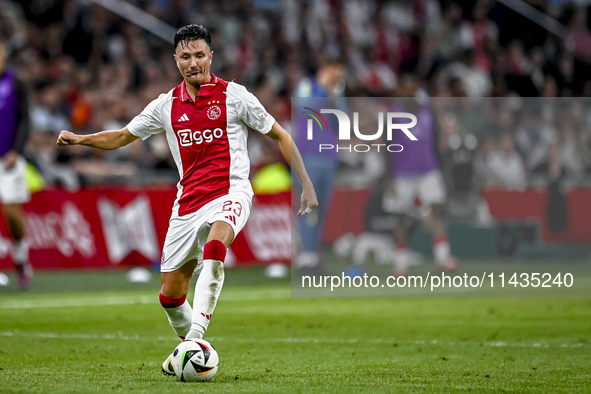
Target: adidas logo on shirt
(183, 118)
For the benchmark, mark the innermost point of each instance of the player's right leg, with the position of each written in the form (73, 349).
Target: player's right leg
(179, 259)
(173, 298)
(399, 200)
(432, 195)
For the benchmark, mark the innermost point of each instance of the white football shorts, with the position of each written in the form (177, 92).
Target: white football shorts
(13, 186)
(188, 234)
(429, 188)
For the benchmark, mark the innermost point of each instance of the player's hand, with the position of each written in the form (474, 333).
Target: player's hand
(67, 138)
(309, 201)
(10, 159)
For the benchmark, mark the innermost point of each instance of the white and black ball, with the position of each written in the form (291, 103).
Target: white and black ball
(195, 360)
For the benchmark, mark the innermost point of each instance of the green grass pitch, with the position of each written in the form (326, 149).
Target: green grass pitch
(92, 332)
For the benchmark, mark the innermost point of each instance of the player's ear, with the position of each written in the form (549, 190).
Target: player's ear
(210, 57)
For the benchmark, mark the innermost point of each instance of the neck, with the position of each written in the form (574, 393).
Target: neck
(193, 90)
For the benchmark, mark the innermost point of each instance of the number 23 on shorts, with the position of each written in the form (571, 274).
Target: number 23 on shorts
(232, 206)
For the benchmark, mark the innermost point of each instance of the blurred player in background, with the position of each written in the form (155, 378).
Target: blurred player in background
(322, 166)
(416, 174)
(205, 120)
(14, 131)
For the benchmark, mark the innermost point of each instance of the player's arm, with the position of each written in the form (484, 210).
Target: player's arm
(111, 139)
(22, 130)
(293, 157)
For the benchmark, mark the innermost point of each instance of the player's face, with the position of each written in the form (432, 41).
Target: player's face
(193, 59)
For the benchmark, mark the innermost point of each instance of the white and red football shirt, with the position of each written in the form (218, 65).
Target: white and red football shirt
(207, 138)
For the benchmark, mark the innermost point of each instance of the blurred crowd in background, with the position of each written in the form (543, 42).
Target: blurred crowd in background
(88, 69)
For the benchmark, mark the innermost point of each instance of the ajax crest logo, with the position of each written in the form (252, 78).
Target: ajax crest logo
(214, 112)
(392, 125)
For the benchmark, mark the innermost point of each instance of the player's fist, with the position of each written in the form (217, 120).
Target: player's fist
(67, 138)
(309, 201)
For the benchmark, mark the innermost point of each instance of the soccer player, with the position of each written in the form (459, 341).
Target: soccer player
(416, 173)
(205, 120)
(14, 131)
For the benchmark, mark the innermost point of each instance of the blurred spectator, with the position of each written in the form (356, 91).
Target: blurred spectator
(556, 209)
(476, 81)
(47, 114)
(519, 71)
(580, 35)
(505, 166)
(377, 76)
(482, 170)
(360, 171)
(485, 35)
(534, 134)
(446, 40)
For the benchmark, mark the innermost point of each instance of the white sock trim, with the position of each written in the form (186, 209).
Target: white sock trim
(21, 252)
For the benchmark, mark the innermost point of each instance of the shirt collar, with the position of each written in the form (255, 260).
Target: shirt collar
(204, 90)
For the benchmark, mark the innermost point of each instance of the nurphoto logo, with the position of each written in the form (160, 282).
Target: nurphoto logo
(344, 130)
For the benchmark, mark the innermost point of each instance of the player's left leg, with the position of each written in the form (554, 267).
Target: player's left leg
(433, 196)
(211, 278)
(190, 322)
(14, 193)
(13, 214)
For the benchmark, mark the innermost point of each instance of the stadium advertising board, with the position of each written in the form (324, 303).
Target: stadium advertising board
(116, 227)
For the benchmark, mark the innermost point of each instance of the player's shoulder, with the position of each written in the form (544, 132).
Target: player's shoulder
(166, 96)
(236, 89)
(240, 94)
(163, 99)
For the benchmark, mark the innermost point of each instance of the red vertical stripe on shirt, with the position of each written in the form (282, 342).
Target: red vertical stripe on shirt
(200, 129)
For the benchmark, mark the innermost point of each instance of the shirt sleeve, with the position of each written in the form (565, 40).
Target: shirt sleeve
(149, 121)
(252, 112)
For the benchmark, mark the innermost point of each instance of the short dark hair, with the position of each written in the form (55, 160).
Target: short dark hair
(191, 33)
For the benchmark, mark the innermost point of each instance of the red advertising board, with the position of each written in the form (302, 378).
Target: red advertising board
(534, 204)
(513, 206)
(112, 226)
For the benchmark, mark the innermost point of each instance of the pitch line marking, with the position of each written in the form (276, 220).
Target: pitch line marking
(134, 299)
(119, 336)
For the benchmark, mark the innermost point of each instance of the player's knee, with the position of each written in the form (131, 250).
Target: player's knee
(172, 302)
(214, 250)
(436, 210)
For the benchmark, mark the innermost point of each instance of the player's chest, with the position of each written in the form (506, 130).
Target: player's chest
(199, 124)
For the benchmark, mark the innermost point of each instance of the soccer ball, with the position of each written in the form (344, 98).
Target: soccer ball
(195, 360)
